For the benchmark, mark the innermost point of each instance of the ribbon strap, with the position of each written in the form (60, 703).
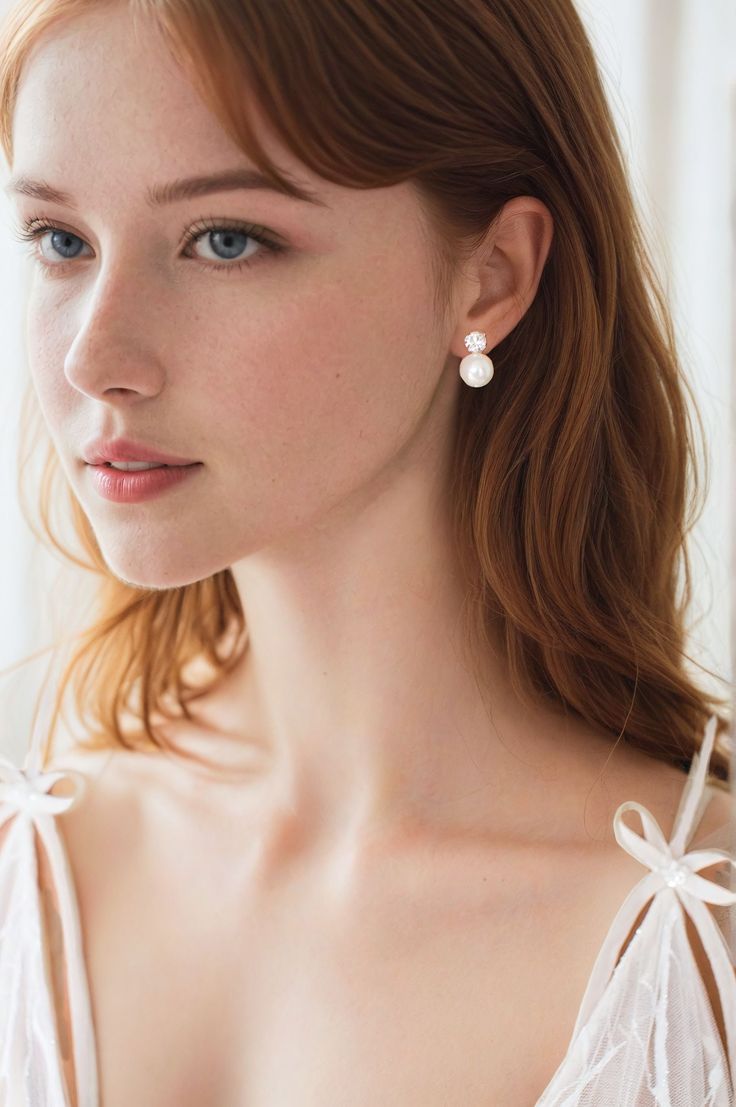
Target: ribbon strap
(30, 793)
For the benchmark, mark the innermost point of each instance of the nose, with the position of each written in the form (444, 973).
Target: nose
(114, 350)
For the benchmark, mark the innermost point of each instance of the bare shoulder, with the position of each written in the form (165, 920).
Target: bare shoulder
(110, 778)
(717, 828)
(601, 773)
(105, 819)
(98, 779)
(659, 786)
(136, 809)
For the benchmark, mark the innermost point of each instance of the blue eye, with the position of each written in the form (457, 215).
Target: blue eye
(232, 243)
(65, 241)
(226, 245)
(231, 240)
(227, 241)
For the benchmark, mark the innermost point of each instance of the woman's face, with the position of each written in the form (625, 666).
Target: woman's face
(296, 377)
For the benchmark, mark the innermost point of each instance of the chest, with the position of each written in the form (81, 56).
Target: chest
(430, 987)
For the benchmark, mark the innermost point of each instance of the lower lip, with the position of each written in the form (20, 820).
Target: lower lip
(134, 486)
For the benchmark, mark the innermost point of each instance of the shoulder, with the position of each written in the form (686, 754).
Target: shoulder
(96, 773)
(607, 772)
(717, 828)
(580, 775)
(592, 776)
(105, 819)
(132, 813)
(660, 787)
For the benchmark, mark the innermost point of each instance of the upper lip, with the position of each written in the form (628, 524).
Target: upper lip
(100, 450)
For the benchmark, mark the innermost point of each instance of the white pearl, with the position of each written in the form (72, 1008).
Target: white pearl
(476, 370)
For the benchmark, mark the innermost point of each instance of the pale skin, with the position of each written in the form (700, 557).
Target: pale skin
(319, 391)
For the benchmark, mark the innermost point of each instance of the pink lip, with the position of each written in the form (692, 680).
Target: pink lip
(100, 450)
(133, 487)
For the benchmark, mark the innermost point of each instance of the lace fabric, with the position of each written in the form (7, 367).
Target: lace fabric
(645, 1034)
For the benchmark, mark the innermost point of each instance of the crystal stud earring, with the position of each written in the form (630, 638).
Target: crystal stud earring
(476, 369)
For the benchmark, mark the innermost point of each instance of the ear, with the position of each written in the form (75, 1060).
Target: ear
(502, 275)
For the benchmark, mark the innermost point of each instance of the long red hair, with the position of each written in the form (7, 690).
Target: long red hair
(576, 477)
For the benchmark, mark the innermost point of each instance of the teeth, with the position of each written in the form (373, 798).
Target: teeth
(134, 465)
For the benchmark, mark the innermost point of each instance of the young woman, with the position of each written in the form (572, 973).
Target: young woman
(391, 749)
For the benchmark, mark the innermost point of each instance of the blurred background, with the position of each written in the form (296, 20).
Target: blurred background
(670, 68)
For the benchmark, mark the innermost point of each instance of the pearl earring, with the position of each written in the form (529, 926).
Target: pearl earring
(476, 369)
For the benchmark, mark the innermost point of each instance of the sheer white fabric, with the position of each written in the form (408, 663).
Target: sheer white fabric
(31, 1056)
(645, 1034)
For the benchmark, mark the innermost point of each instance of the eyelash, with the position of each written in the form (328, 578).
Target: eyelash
(32, 230)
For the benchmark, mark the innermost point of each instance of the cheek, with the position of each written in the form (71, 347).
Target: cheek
(294, 387)
(47, 345)
(327, 386)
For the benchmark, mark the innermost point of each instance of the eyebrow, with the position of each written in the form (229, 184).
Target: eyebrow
(185, 188)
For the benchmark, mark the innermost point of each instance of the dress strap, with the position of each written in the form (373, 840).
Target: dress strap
(673, 874)
(25, 796)
(27, 791)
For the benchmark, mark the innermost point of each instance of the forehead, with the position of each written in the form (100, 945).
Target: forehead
(103, 93)
(105, 114)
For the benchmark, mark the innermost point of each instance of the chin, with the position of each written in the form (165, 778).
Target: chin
(151, 574)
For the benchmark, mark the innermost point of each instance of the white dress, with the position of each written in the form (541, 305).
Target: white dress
(645, 1034)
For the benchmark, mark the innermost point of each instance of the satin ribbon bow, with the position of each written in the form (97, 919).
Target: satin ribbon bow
(678, 872)
(667, 860)
(30, 792)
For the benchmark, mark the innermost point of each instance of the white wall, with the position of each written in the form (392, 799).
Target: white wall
(670, 66)
(671, 70)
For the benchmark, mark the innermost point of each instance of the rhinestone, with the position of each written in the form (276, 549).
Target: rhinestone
(476, 342)
(674, 874)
